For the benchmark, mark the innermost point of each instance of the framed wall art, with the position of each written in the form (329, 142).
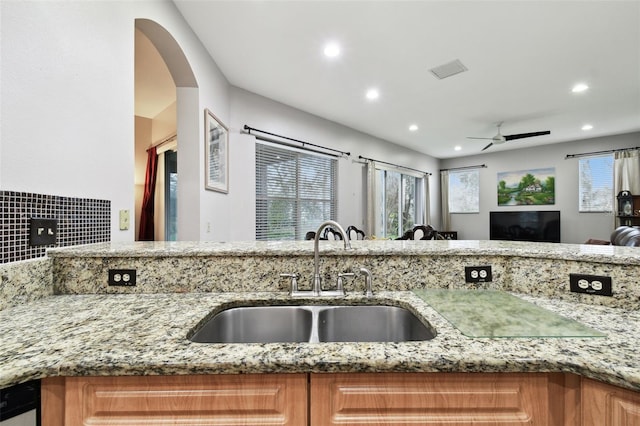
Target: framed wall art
(527, 187)
(216, 145)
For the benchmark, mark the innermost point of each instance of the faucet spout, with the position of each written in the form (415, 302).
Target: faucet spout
(317, 279)
(368, 282)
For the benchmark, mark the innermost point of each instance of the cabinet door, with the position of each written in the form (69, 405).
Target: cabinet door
(606, 405)
(278, 399)
(435, 399)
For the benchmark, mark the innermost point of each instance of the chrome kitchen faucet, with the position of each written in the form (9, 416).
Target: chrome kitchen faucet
(316, 286)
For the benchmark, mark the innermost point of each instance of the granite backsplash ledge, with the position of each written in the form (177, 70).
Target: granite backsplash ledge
(256, 266)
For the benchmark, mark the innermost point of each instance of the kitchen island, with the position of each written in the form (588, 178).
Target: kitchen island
(91, 329)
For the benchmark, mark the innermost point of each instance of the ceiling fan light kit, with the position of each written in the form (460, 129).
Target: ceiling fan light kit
(499, 138)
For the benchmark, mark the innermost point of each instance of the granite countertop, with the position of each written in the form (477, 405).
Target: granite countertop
(579, 252)
(146, 334)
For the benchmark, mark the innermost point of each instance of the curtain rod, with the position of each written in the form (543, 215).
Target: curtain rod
(304, 144)
(477, 166)
(394, 165)
(317, 151)
(585, 154)
(164, 141)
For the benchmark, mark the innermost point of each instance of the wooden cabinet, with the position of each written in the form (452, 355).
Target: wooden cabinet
(381, 399)
(606, 405)
(257, 399)
(452, 399)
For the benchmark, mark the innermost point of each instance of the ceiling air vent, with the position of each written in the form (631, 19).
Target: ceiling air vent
(448, 69)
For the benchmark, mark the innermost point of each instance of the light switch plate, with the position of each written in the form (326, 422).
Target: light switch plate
(124, 220)
(43, 232)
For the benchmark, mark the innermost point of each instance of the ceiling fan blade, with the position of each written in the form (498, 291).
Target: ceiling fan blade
(470, 137)
(526, 135)
(487, 146)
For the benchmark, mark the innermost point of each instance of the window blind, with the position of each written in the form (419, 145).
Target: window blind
(295, 192)
(464, 191)
(595, 183)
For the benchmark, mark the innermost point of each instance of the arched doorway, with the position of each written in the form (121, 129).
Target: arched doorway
(166, 81)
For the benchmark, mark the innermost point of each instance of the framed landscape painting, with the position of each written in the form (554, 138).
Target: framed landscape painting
(527, 187)
(216, 157)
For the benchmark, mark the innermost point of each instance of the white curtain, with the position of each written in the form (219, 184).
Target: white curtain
(371, 198)
(427, 201)
(444, 196)
(626, 171)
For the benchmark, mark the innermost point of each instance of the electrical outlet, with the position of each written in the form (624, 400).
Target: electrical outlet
(122, 277)
(598, 285)
(478, 274)
(43, 232)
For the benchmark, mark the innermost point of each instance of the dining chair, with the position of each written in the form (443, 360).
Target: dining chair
(355, 233)
(408, 235)
(423, 232)
(331, 234)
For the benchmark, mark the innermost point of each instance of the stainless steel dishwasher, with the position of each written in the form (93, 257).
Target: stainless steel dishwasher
(20, 404)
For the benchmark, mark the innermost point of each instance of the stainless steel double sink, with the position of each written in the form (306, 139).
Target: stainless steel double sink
(313, 323)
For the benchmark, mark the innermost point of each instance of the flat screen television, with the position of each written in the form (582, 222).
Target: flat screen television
(540, 226)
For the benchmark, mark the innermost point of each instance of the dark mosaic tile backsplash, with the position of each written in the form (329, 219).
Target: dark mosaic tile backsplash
(80, 221)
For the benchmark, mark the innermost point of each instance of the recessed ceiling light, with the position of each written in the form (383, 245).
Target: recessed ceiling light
(413, 127)
(587, 127)
(373, 94)
(457, 147)
(331, 50)
(580, 87)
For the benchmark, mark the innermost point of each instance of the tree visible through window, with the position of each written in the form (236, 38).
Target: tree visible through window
(595, 183)
(295, 192)
(400, 200)
(464, 191)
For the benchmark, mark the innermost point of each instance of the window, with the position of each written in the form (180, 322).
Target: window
(400, 201)
(464, 191)
(171, 195)
(295, 192)
(595, 183)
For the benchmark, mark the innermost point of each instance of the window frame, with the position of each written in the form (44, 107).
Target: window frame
(419, 202)
(599, 208)
(476, 197)
(297, 222)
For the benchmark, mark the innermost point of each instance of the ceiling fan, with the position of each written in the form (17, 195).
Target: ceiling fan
(500, 138)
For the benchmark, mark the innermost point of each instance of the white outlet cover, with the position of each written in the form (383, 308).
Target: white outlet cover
(124, 220)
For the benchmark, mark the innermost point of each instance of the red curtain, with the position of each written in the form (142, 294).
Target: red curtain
(146, 232)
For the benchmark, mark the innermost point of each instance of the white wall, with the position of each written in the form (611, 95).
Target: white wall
(143, 139)
(164, 124)
(67, 100)
(575, 227)
(265, 114)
